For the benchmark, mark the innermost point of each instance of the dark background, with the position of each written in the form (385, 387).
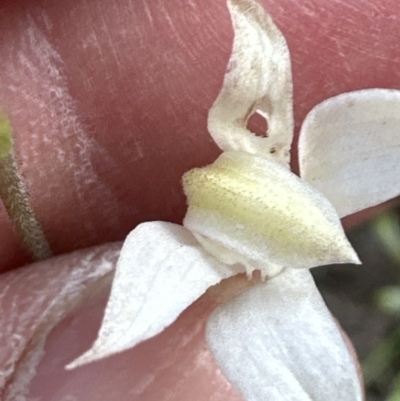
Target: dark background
(366, 301)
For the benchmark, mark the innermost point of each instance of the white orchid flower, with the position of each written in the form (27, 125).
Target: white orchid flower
(247, 212)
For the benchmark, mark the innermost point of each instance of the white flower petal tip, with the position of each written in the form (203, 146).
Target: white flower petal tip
(258, 79)
(349, 148)
(278, 341)
(250, 210)
(88, 357)
(161, 271)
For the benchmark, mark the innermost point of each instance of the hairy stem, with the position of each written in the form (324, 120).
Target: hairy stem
(15, 198)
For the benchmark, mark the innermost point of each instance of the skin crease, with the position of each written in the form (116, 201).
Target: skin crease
(108, 101)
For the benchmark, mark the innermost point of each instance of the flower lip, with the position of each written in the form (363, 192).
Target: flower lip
(258, 209)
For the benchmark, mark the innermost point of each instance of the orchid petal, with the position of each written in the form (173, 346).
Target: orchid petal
(250, 210)
(161, 271)
(258, 79)
(349, 148)
(278, 341)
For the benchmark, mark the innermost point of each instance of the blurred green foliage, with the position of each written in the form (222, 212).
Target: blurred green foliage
(366, 301)
(382, 365)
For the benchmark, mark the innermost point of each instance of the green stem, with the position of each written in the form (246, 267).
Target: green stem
(15, 199)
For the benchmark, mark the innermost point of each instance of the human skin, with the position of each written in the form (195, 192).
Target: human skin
(108, 101)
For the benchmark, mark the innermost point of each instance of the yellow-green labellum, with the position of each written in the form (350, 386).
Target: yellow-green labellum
(248, 209)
